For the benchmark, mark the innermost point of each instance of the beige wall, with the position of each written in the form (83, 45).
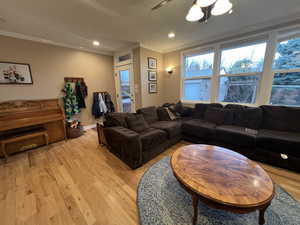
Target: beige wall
(137, 78)
(49, 65)
(154, 99)
(172, 81)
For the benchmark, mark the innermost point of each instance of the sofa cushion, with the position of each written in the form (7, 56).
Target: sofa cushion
(137, 123)
(281, 118)
(116, 119)
(200, 109)
(214, 115)
(198, 128)
(248, 117)
(151, 138)
(279, 141)
(235, 106)
(236, 135)
(219, 116)
(173, 128)
(149, 113)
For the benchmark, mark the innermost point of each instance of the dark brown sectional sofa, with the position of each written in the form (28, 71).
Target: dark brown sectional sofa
(270, 134)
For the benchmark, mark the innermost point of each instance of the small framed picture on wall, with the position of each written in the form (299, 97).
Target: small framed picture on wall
(152, 87)
(152, 75)
(152, 63)
(15, 73)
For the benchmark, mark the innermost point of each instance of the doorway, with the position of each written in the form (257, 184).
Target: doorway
(125, 88)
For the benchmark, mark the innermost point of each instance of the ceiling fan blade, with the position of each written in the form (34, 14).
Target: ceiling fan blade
(161, 4)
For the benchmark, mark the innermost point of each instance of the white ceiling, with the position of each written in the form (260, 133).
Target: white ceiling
(119, 24)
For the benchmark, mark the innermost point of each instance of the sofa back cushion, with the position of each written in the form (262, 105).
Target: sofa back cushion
(235, 106)
(149, 113)
(201, 108)
(249, 117)
(281, 118)
(116, 119)
(137, 123)
(214, 115)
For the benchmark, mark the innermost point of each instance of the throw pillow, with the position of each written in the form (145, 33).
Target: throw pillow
(171, 115)
(179, 108)
(137, 123)
(163, 114)
(149, 113)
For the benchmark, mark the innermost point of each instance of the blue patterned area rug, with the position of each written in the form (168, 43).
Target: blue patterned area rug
(162, 201)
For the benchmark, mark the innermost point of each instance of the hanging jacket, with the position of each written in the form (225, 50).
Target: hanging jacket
(102, 105)
(80, 95)
(96, 106)
(109, 104)
(70, 101)
(84, 89)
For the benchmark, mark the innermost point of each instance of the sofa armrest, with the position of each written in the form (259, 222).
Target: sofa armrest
(126, 144)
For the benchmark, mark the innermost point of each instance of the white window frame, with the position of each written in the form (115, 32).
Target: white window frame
(197, 51)
(281, 71)
(272, 37)
(259, 74)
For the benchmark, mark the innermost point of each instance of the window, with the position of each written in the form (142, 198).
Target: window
(286, 89)
(286, 81)
(198, 70)
(240, 71)
(240, 89)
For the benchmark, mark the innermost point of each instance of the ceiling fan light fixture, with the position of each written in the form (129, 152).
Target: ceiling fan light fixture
(221, 7)
(195, 13)
(205, 3)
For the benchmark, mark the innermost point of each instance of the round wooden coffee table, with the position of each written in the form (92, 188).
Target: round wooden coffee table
(222, 179)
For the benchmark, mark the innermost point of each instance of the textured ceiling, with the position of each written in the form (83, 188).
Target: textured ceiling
(119, 24)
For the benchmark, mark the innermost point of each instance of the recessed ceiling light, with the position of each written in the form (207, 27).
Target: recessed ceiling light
(96, 43)
(171, 35)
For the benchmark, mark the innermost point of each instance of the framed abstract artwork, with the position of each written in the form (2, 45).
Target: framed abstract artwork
(152, 75)
(15, 73)
(152, 63)
(152, 87)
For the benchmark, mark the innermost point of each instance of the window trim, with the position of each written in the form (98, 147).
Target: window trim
(194, 52)
(280, 38)
(250, 42)
(272, 38)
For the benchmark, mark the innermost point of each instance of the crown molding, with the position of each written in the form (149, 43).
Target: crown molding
(257, 29)
(49, 42)
(152, 49)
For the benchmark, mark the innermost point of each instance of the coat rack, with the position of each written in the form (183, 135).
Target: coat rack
(74, 79)
(100, 92)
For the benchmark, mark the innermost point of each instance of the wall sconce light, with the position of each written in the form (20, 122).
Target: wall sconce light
(169, 70)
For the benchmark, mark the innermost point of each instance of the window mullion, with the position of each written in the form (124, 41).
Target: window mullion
(241, 74)
(265, 86)
(197, 78)
(216, 74)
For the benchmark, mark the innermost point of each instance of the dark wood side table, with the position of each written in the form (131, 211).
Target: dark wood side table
(222, 179)
(101, 136)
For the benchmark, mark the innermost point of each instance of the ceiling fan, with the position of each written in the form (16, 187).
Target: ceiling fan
(202, 10)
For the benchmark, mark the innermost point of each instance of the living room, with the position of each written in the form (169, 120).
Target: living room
(150, 112)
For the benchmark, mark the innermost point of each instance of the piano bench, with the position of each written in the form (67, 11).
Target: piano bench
(22, 136)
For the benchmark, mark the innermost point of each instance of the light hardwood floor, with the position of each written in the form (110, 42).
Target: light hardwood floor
(79, 183)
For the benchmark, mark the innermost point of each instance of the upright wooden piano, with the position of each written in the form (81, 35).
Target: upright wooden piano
(22, 116)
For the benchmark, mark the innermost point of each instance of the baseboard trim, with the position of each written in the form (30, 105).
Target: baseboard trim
(89, 127)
